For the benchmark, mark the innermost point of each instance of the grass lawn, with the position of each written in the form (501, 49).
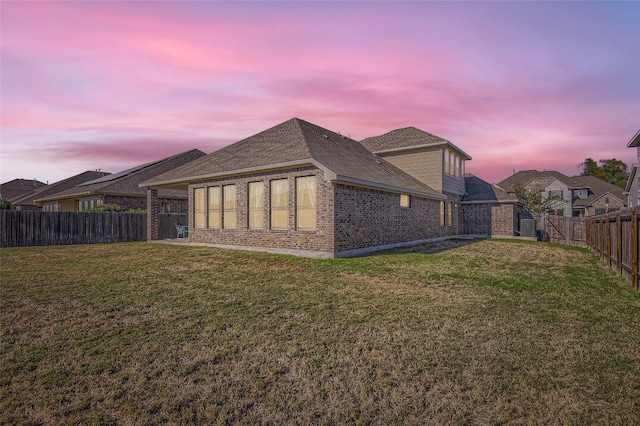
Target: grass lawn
(487, 332)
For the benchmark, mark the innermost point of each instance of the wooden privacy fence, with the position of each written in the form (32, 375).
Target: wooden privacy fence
(39, 228)
(614, 237)
(563, 229)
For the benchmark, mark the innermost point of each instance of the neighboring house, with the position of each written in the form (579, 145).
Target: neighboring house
(300, 186)
(489, 210)
(123, 189)
(581, 195)
(632, 189)
(18, 188)
(26, 202)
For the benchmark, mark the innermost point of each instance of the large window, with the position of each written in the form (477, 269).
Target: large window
(280, 204)
(441, 213)
(200, 214)
(449, 214)
(229, 217)
(306, 203)
(215, 208)
(256, 205)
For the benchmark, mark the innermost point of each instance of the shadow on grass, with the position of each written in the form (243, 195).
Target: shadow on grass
(433, 247)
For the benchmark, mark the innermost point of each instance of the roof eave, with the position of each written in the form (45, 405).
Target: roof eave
(196, 178)
(423, 146)
(635, 141)
(388, 188)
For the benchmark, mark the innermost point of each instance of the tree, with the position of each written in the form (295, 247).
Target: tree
(610, 170)
(104, 208)
(6, 204)
(534, 200)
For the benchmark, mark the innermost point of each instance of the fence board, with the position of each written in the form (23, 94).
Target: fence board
(614, 237)
(35, 228)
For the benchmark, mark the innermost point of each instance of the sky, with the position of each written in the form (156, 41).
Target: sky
(516, 85)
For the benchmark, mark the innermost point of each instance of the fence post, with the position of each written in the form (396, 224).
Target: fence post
(619, 246)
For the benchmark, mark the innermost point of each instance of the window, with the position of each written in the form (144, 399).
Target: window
(556, 192)
(165, 207)
(279, 204)
(306, 203)
(447, 162)
(198, 195)
(405, 200)
(256, 205)
(600, 211)
(441, 213)
(449, 214)
(215, 208)
(229, 217)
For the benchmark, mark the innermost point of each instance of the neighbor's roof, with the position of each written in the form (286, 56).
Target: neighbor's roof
(635, 141)
(63, 185)
(295, 143)
(127, 182)
(524, 176)
(480, 191)
(598, 188)
(407, 138)
(19, 187)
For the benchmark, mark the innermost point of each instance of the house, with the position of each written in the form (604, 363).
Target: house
(300, 186)
(632, 189)
(27, 202)
(18, 188)
(581, 195)
(122, 188)
(490, 210)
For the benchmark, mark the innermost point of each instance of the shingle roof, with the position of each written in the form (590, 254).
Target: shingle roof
(128, 183)
(598, 188)
(19, 187)
(478, 190)
(59, 186)
(407, 138)
(297, 142)
(524, 176)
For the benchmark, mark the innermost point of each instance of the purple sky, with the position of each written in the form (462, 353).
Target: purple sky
(109, 85)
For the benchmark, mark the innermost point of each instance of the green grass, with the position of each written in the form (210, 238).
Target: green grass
(484, 332)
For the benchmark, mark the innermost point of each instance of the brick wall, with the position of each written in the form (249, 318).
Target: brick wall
(490, 219)
(368, 218)
(319, 240)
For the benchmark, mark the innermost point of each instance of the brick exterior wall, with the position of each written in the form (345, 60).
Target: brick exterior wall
(368, 218)
(347, 217)
(490, 219)
(600, 203)
(319, 240)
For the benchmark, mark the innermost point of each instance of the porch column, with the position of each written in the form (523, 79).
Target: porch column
(152, 214)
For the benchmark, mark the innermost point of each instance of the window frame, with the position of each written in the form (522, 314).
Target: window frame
(252, 210)
(300, 208)
(229, 211)
(278, 210)
(199, 214)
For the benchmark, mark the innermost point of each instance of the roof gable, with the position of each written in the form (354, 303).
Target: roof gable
(297, 142)
(524, 177)
(407, 138)
(635, 141)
